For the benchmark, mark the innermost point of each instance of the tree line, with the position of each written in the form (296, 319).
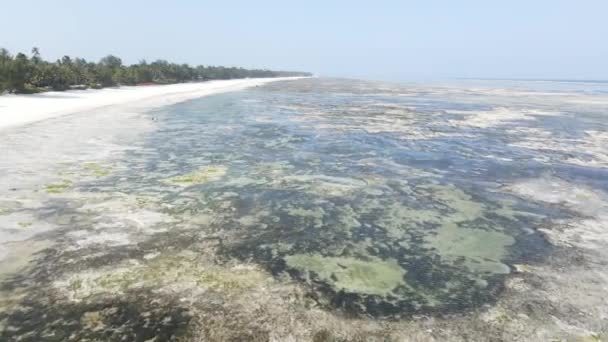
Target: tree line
(29, 74)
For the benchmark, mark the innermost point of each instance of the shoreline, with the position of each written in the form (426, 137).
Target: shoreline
(20, 110)
(100, 125)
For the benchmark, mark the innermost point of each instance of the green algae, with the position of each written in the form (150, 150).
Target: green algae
(437, 205)
(164, 271)
(451, 245)
(460, 204)
(59, 187)
(400, 221)
(314, 215)
(321, 185)
(445, 203)
(231, 279)
(75, 284)
(96, 169)
(201, 176)
(373, 276)
(480, 250)
(346, 219)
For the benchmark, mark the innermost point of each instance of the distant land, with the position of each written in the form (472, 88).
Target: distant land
(533, 80)
(25, 75)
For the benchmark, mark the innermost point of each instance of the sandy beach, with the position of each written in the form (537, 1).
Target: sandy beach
(16, 110)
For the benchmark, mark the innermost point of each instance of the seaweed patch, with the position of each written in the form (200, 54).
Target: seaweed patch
(201, 176)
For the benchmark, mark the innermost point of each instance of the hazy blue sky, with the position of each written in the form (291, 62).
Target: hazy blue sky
(396, 40)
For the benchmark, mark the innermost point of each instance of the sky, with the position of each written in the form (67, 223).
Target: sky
(387, 40)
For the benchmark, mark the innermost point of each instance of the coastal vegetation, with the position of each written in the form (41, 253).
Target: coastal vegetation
(21, 73)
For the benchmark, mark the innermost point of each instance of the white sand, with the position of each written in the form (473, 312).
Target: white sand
(17, 110)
